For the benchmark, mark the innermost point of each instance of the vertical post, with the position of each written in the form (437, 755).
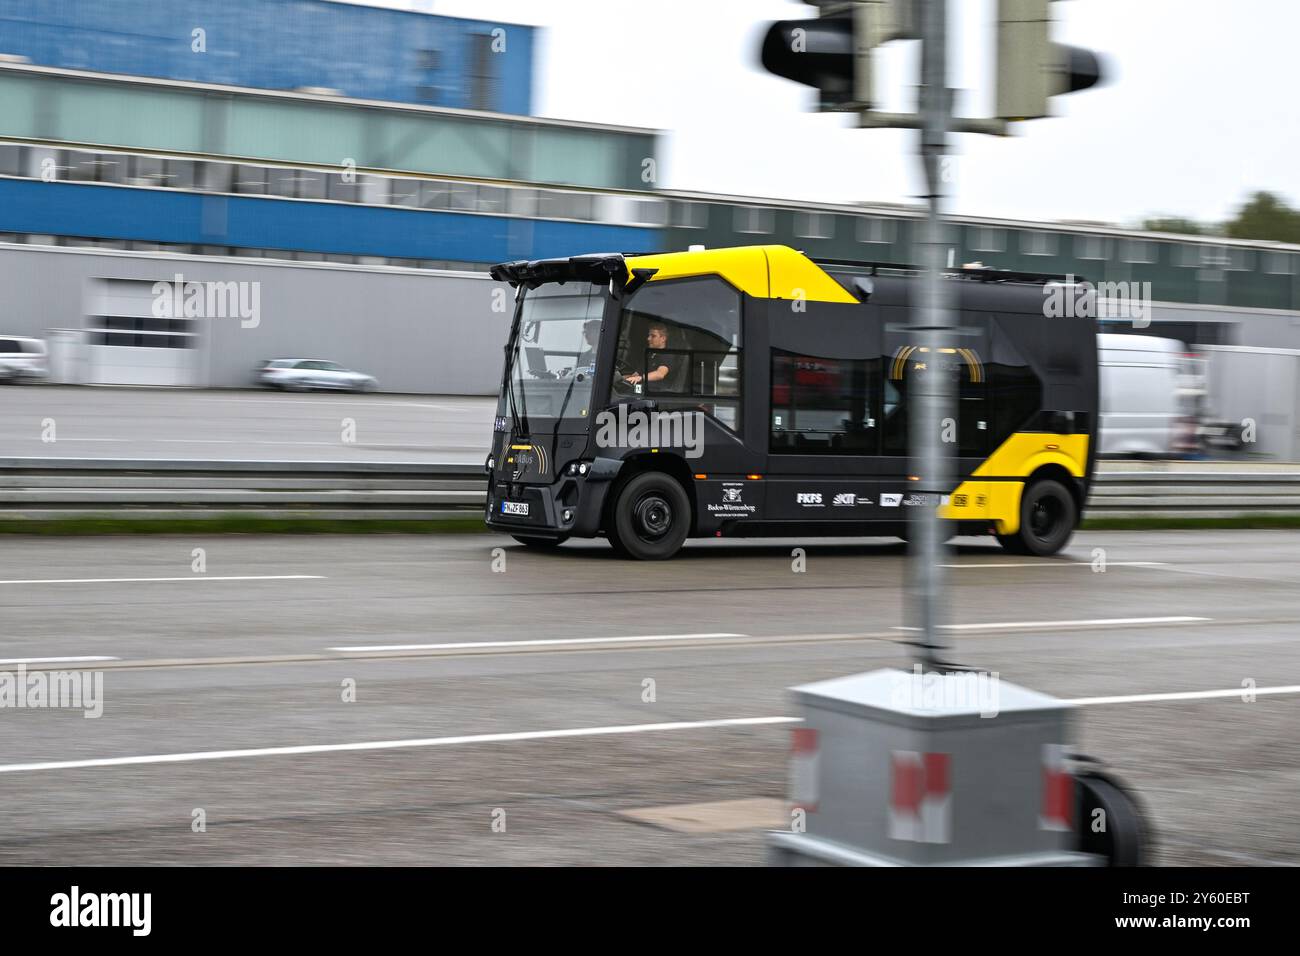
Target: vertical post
(927, 390)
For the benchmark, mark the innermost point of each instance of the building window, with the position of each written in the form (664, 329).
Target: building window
(1239, 260)
(871, 229)
(522, 202)
(651, 212)
(11, 159)
(250, 180)
(1279, 263)
(1138, 251)
(753, 220)
(1038, 243)
(988, 239)
(1091, 247)
(814, 225)
(690, 215)
(483, 73)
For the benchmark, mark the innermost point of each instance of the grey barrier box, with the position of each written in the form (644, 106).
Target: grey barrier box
(900, 769)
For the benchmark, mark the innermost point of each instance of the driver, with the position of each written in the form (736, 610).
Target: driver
(659, 365)
(587, 357)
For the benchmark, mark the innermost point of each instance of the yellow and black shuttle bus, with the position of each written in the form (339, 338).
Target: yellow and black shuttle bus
(755, 392)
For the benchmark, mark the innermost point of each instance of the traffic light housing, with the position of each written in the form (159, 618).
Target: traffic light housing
(833, 52)
(1031, 68)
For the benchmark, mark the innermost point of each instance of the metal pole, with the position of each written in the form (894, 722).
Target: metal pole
(927, 389)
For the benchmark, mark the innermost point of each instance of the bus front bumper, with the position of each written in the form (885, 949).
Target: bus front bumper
(573, 505)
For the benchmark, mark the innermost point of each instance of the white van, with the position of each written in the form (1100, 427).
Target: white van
(23, 359)
(1144, 410)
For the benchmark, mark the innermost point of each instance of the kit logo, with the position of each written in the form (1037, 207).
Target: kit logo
(890, 501)
(849, 499)
(809, 499)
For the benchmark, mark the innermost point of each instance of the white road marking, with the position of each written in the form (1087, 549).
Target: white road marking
(1057, 564)
(54, 660)
(1184, 695)
(547, 642)
(396, 744)
(547, 734)
(190, 577)
(1084, 622)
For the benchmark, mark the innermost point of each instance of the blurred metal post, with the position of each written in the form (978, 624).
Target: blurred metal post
(928, 393)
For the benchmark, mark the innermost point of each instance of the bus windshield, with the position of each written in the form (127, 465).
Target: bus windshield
(552, 361)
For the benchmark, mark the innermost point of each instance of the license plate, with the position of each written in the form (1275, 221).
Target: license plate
(515, 508)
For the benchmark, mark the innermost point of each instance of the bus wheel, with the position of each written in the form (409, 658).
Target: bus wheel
(1047, 519)
(650, 518)
(540, 544)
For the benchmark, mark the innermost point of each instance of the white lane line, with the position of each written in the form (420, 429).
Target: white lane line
(547, 642)
(1085, 622)
(54, 660)
(397, 744)
(1058, 564)
(1184, 695)
(540, 735)
(191, 577)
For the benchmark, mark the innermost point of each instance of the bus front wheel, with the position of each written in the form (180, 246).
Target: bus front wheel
(1048, 515)
(650, 518)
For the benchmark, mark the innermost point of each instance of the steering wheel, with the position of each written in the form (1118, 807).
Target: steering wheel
(621, 385)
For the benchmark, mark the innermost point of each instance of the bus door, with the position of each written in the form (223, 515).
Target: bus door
(966, 433)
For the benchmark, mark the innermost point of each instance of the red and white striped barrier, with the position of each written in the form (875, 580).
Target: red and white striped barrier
(920, 797)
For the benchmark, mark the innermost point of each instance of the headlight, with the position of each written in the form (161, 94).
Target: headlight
(582, 468)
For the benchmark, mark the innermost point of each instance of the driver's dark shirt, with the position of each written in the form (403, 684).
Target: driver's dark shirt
(654, 359)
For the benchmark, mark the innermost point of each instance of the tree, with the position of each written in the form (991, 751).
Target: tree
(1265, 216)
(1187, 227)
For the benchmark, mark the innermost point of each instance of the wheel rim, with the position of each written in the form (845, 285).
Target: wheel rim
(653, 517)
(1045, 517)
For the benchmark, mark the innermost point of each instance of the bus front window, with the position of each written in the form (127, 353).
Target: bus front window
(550, 370)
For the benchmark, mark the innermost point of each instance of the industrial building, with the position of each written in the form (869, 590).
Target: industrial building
(365, 174)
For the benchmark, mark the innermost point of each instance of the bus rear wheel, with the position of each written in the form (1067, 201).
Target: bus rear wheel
(1048, 515)
(650, 518)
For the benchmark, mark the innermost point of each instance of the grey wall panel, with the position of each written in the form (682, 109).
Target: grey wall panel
(419, 332)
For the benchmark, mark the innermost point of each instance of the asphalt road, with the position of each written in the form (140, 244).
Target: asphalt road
(225, 670)
(95, 422)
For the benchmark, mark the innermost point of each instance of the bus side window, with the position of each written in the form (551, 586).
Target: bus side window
(703, 349)
(824, 405)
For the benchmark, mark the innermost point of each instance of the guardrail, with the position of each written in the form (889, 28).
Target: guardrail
(66, 487)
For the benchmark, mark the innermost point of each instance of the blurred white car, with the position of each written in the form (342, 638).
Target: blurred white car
(300, 375)
(22, 359)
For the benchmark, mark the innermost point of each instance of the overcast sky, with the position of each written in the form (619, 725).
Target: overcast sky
(1200, 109)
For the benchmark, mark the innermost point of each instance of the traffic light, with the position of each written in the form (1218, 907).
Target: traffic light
(1031, 68)
(833, 52)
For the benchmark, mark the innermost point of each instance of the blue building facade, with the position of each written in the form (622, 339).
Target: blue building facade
(363, 52)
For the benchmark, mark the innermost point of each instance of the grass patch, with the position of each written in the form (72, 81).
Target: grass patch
(238, 524)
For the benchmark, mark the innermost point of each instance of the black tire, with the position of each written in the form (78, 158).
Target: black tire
(649, 518)
(1048, 516)
(1125, 839)
(540, 544)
